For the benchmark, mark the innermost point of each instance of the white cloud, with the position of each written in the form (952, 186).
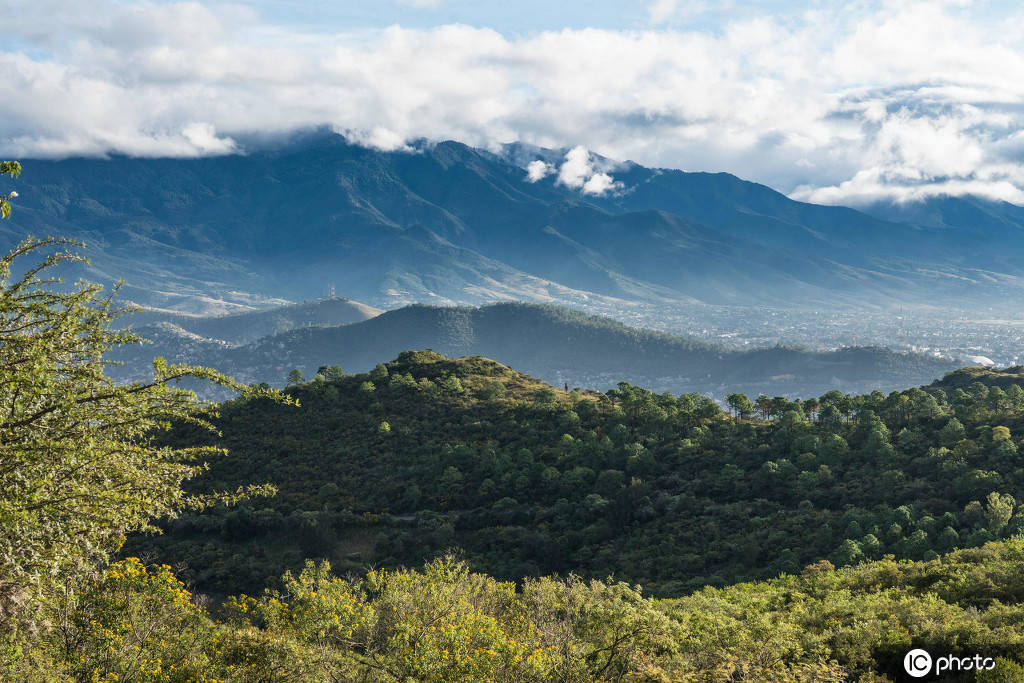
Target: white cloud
(377, 138)
(537, 169)
(659, 11)
(578, 172)
(600, 183)
(204, 137)
(872, 184)
(576, 168)
(844, 103)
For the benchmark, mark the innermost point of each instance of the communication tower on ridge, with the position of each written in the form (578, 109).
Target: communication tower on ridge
(330, 290)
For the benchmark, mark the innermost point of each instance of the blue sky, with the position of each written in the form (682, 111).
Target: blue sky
(511, 18)
(826, 101)
(526, 16)
(508, 17)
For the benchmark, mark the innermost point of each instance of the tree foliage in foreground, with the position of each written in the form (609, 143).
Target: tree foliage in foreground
(79, 464)
(13, 169)
(447, 623)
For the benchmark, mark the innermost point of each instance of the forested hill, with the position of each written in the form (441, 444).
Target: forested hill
(557, 344)
(964, 378)
(427, 453)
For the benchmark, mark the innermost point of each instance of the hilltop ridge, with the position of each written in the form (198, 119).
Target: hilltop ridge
(248, 326)
(560, 345)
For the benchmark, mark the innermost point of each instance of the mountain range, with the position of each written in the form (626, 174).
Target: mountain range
(449, 224)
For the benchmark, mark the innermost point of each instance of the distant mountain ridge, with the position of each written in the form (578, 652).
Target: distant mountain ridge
(449, 224)
(249, 326)
(559, 345)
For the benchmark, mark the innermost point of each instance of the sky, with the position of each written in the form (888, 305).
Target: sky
(831, 102)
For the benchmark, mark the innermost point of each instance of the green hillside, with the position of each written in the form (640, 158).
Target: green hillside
(557, 344)
(428, 453)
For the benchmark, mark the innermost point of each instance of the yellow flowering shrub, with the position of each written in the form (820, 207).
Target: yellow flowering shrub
(446, 623)
(132, 624)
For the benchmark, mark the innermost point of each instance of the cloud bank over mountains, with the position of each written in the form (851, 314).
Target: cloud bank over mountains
(842, 104)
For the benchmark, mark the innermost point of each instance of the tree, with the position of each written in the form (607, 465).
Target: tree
(1015, 395)
(545, 397)
(80, 463)
(740, 405)
(811, 408)
(328, 372)
(997, 398)
(452, 385)
(848, 553)
(13, 169)
(877, 444)
(1000, 434)
(450, 484)
(952, 433)
(296, 377)
(379, 374)
(1004, 671)
(870, 546)
(494, 389)
(998, 510)
(133, 620)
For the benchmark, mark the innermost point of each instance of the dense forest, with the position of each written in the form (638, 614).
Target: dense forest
(427, 453)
